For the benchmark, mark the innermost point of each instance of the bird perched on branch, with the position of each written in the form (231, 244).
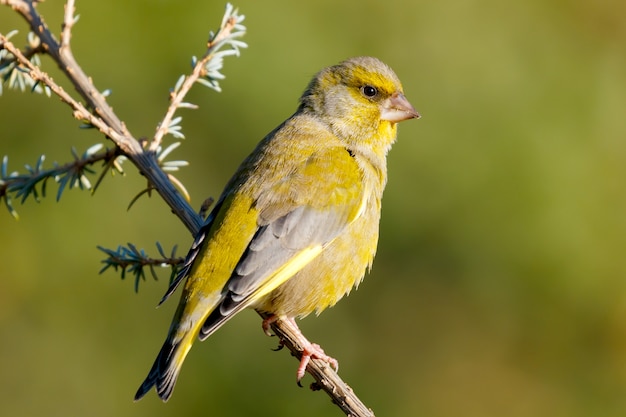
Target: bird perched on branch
(296, 227)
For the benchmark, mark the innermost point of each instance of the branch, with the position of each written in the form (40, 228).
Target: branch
(111, 126)
(104, 118)
(29, 53)
(325, 377)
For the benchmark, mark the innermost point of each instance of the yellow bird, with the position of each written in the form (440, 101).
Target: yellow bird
(296, 227)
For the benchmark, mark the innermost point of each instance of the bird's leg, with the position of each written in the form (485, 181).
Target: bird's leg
(309, 350)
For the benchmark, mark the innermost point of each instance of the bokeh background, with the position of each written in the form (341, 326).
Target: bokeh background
(500, 283)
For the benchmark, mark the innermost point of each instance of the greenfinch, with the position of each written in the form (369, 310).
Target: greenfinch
(296, 227)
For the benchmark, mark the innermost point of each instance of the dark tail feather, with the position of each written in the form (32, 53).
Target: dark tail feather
(164, 372)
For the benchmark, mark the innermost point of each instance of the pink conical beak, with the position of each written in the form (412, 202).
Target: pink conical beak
(397, 108)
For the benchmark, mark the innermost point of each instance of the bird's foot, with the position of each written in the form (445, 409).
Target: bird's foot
(309, 350)
(313, 351)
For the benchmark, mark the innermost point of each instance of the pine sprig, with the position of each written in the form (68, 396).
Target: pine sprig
(136, 261)
(74, 174)
(206, 71)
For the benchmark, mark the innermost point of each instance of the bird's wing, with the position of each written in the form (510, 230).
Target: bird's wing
(298, 217)
(193, 252)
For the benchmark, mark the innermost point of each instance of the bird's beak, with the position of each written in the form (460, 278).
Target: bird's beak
(397, 108)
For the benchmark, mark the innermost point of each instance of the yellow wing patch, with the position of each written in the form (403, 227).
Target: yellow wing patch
(286, 271)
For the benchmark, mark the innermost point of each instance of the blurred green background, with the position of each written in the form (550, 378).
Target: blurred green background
(499, 287)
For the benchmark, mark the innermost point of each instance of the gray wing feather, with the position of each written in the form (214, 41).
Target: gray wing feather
(271, 247)
(275, 243)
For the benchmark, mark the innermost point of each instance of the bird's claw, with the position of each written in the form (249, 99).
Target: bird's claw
(314, 351)
(267, 326)
(309, 350)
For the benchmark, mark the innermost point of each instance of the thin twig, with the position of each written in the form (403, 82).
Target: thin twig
(28, 52)
(68, 23)
(199, 70)
(80, 112)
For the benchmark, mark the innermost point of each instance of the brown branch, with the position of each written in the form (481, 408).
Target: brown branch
(28, 52)
(111, 126)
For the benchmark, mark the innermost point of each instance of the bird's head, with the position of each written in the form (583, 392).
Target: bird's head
(361, 99)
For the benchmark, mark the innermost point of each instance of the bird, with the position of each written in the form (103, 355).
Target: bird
(296, 227)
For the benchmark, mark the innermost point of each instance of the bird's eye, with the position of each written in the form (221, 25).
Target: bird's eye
(369, 91)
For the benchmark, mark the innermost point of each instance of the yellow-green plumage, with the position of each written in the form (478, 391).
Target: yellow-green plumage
(296, 227)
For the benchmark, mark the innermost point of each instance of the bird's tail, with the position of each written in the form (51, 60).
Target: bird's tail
(185, 328)
(166, 367)
(183, 332)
